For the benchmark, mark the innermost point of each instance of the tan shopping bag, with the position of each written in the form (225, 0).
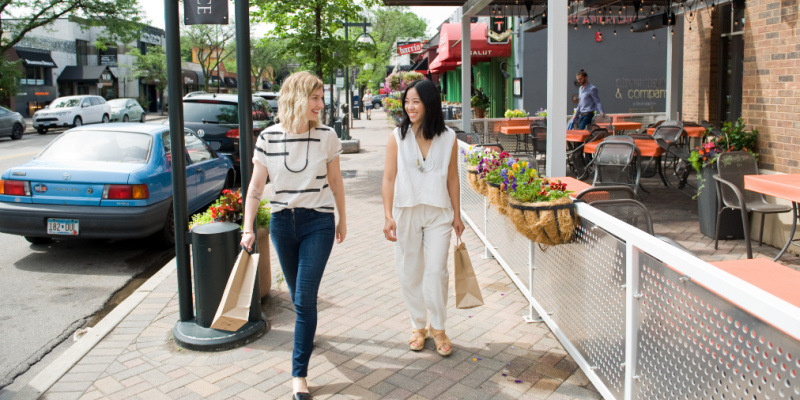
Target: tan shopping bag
(234, 308)
(468, 293)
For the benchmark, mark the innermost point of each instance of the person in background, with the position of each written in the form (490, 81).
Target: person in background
(368, 103)
(421, 206)
(588, 101)
(301, 157)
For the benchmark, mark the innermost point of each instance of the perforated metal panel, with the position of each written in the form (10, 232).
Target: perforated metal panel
(693, 344)
(582, 284)
(472, 203)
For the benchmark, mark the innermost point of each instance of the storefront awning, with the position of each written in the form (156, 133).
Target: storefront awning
(437, 66)
(85, 74)
(482, 50)
(230, 82)
(36, 58)
(421, 67)
(189, 77)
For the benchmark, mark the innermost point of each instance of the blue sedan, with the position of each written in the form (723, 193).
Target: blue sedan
(109, 181)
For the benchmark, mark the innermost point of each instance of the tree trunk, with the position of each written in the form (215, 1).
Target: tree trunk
(318, 55)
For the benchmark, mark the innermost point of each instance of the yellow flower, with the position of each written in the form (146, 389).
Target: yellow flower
(510, 174)
(515, 167)
(533, 173)
(470, 148)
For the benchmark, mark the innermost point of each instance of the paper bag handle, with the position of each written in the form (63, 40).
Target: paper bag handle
(247, 251)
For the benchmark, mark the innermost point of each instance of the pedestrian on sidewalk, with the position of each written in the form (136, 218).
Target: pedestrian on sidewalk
(421, 205)
(301, 157)
(588, 101)
(368, 103)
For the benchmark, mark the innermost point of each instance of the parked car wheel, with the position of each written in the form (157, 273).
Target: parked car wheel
(77, 121)
(125, 118)
(230, 180)
(167, 234)
(38, 240)
(17, 131)
(106, 118)
(142, 119)
(42, 131)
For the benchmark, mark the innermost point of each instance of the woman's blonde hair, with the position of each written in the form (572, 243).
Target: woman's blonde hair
(293, 100)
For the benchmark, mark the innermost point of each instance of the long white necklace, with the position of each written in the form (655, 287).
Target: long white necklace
(424, 164)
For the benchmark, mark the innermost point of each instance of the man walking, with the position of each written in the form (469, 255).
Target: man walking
(588, 102)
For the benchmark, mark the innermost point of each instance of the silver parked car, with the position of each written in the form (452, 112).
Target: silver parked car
(11, 124)
(124, 110)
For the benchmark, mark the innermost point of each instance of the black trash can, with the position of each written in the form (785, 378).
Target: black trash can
(215, 247)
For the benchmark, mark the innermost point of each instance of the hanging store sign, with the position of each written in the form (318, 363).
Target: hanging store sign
(403, 49)
(499, 32)
(205, 12)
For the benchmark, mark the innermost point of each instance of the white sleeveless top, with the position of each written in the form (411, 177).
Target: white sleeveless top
(423, 181)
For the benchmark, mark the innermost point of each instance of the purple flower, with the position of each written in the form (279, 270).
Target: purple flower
(510, 162)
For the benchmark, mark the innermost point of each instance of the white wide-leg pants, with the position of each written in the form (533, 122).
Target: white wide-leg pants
(420, 253)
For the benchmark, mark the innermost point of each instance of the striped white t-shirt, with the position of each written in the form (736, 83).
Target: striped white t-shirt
(285, 156)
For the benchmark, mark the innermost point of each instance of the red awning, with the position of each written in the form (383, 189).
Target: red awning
(437, 66)
(482, 50)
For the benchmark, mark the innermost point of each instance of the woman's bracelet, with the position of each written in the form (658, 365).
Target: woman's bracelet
(246, 232)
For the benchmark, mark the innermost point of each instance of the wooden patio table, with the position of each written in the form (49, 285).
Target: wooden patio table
(573, 185)
(786, 186)
(519, 131)
(577, 136)
(691, 131)
(763, 273)
(622, 125)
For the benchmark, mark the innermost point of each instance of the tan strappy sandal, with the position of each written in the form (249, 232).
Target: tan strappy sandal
(441, 340)
(417, 337)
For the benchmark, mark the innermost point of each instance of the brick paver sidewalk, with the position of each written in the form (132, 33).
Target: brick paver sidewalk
(361, 344)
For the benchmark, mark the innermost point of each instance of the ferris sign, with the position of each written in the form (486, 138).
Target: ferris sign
(403, 49)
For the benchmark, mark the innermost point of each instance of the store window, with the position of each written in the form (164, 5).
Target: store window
(35, 76)
(81, 52)
(107, 57)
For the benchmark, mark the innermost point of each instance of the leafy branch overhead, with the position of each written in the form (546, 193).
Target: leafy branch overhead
(211, 45)
(313, 29)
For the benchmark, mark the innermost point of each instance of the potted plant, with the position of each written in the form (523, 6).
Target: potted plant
(480, 103)
(472, 157)
(541, 209)
(494, 169)
(704, 158)
(228, 208)
(516, 113)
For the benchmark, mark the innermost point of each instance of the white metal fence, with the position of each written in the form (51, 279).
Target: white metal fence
(642, 319)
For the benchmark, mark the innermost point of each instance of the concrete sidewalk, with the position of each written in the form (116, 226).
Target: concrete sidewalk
(361, 345)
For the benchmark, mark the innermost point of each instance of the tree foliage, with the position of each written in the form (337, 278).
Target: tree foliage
(268, 58)
(388, 25)
(151, 67)
(213, 44)
(122, 19)
(313, 29)
(10, 72)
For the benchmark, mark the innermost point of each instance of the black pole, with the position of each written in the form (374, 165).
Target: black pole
(332, 119)
(179, 197)
(245, 97)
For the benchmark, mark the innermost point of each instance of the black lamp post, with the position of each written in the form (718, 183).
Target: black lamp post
(363, 38)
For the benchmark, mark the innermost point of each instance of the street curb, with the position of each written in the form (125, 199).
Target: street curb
(60, 366)
(351, 146)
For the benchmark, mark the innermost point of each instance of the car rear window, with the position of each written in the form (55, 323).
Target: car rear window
(127, 147)
(66, 103)
(210, 111)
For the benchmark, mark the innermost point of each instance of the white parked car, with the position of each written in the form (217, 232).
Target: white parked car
(72, 111)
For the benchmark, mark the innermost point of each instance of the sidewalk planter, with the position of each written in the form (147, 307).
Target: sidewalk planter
(546, 223)
(730, 228)
(478, 184)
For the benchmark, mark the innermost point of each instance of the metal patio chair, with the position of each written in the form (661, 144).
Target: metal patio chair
(577, 160)
(633, 213)
(538, 141)
(599, 119)
(731, 194)
(615, 162)
(469, 138)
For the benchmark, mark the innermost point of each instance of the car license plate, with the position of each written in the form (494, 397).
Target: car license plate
(215, 145)
(62, 226)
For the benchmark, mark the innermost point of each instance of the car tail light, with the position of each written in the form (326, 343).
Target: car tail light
(125, 192)
(15, 188)
(232, 134)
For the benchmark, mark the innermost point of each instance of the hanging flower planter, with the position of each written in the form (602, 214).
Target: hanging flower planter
(498, 198)
(547, 223)
(478, 184)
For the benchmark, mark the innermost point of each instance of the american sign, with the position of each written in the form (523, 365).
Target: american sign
(409, 48)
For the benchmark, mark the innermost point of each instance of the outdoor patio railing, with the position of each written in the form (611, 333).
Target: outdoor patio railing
(643, 319)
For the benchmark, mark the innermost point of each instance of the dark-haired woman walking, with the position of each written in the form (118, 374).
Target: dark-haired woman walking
(421, 204)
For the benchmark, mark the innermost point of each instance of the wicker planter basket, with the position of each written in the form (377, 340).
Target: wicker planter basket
(478, 184)
(545, 223)
(497, 198)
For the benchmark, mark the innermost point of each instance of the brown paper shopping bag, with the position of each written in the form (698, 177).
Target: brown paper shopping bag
(468, 293)
(234, 308)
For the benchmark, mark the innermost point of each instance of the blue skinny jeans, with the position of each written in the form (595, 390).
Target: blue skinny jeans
(303, 239)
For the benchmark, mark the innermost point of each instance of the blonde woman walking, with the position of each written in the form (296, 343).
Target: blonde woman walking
(421, 204)
(301, 157)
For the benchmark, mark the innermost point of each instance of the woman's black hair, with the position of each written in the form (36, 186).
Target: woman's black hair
(433, 121)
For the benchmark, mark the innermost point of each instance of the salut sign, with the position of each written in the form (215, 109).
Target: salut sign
(408, 48)
(205, 12)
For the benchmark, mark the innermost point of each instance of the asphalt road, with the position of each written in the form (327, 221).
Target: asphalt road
(49, 291)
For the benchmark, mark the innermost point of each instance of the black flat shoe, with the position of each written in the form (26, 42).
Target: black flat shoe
(301, 396)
